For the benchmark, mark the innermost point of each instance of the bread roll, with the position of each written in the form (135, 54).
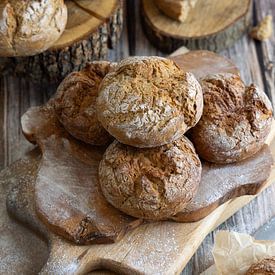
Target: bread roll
(235, 122)
(149, 101)
(75, 103)
(31, 26)
(153, 183)
(263, 267)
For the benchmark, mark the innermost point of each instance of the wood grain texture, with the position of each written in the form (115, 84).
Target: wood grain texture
(68, 199)
(16, 257)
(266, 50)
(247, 54)
(152, 248)
(210, 25)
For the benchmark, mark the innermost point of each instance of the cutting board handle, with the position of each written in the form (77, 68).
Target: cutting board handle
(61, 263)
(69, 264)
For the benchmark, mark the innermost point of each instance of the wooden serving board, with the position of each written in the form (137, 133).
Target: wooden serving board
(211, 25)
(153, 248)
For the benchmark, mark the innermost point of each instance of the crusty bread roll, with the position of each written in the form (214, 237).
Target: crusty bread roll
(149, 101)
(31, 26)
(235, 122)
(151, 183)
(176, 9)
(75, 103)
(263, 267)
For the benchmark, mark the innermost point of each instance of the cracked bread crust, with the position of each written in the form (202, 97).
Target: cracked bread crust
(75, 103)
(149, 102)
(235, 122)
(263, 267)
(151, 183)
(31, 26)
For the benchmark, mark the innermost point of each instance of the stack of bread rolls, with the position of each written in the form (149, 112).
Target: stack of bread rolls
(144, 106)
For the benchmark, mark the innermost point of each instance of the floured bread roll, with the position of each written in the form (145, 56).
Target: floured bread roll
(235, 122)
(153, 183)
(75, 103)
(31, 26)
(263, 267)
(149, 101)
(176, 9)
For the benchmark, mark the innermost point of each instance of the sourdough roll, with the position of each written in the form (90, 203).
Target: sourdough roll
(28, 27)
(235, 122)
(149, 101)
(75, 103)
(151, 183)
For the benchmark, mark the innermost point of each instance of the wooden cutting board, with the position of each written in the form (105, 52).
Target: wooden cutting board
(156, 248)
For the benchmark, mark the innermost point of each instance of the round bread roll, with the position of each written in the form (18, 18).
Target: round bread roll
(151, 183)
(31, 26)
(75, 103)
(235, 122)
(263, 267)
(149, 101)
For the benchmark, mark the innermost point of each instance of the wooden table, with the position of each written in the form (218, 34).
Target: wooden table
(256, 62)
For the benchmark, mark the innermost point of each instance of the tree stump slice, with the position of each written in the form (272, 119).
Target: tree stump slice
(93, 27)
(211, 25)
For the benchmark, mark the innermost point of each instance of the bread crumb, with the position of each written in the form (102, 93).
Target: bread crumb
(176, 9)
(263, 30)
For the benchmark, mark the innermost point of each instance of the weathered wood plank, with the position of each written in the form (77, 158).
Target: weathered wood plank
(139, 44)
(266, 50)
(2, 123)
(244, 55)
(122, 48)
(16, 96)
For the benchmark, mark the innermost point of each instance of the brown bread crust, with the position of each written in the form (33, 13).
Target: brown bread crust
(153, 183)
(29, 27)
(235, 122)
(263, 267)
(149, 102)
(75, 103)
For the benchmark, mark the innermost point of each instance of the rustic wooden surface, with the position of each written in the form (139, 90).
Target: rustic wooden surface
(211, 24)
(152, 248)
(256, 62)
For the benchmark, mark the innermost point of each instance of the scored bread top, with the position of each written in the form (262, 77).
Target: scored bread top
(150, 183)
(29, 27)
(149, 101)
(75, 103)
(235, 122)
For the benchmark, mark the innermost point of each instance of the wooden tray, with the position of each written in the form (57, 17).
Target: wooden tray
(157, 248)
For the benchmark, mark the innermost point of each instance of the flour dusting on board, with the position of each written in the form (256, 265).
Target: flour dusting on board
(16, 257)
(155, 253)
